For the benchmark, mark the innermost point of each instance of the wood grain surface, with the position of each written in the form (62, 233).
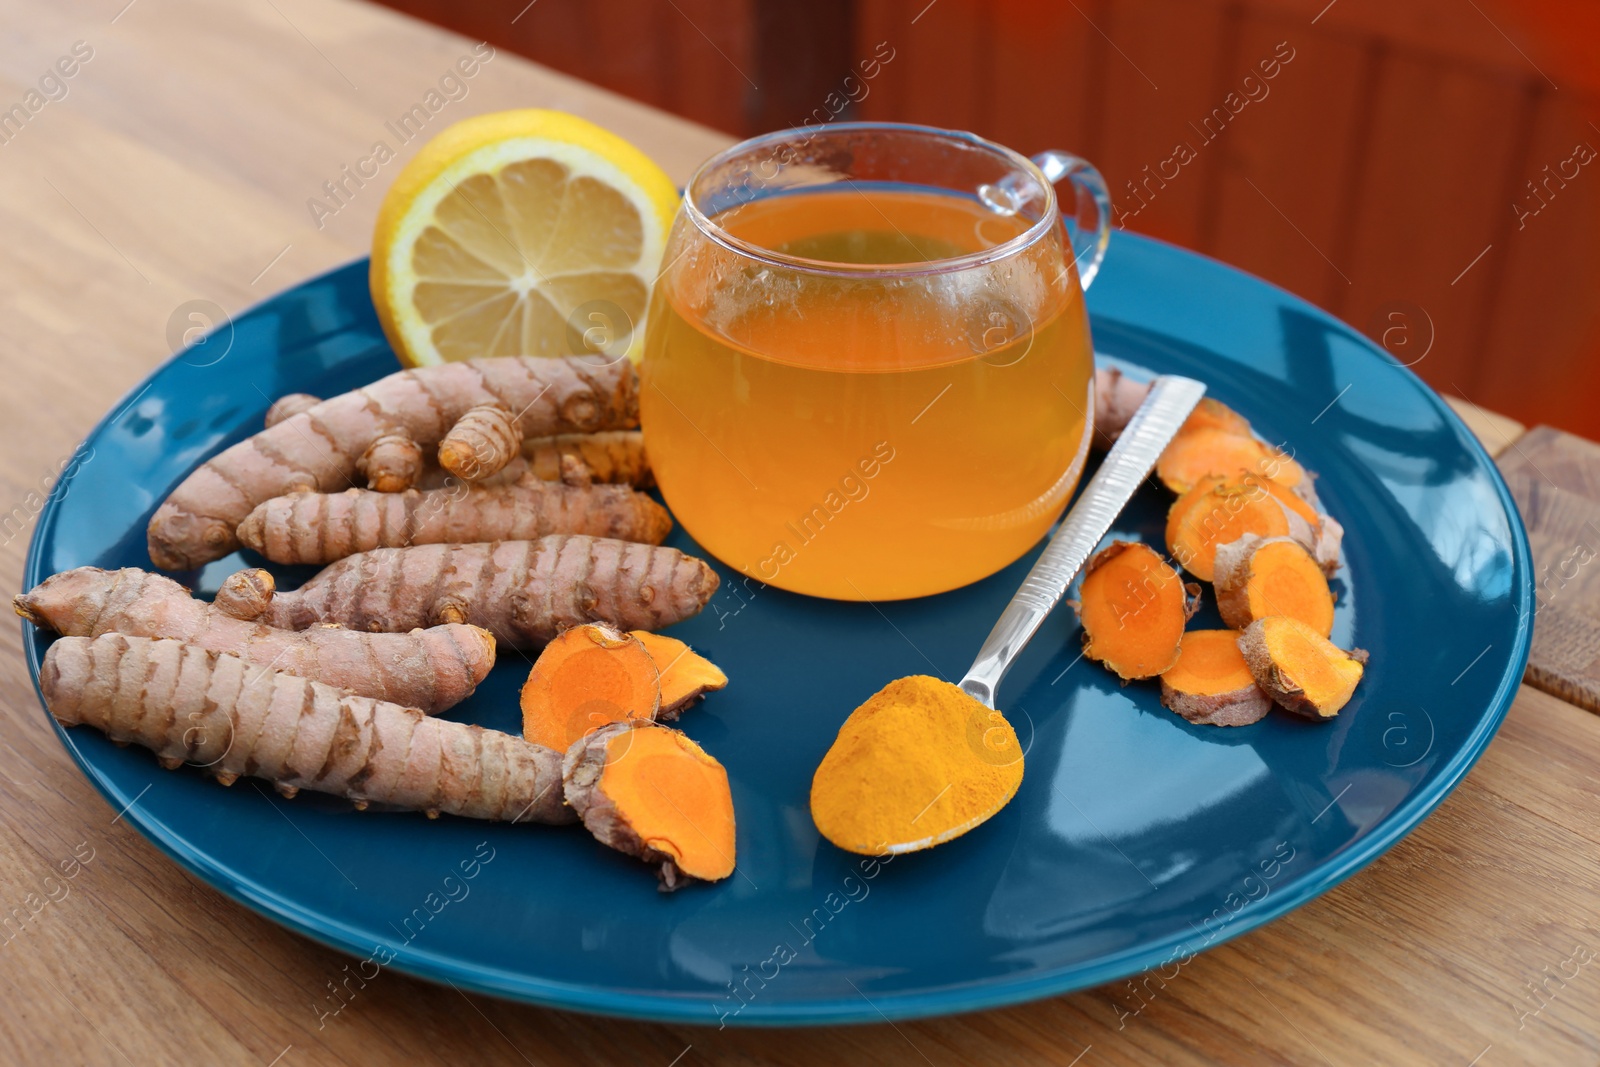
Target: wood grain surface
(1556, 480)
(178, 168)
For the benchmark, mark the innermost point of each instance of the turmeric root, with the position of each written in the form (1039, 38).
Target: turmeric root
(1133, 607)
(323, 527)
(616, 456)
(481, 442)
(215, 710)
(1194, 455)
(685, 676)
(587, 677)
(245, 594)
(391, 464)
(649, 791)
(1211, 684)
(288, 406)
(318, 448)
(1260, 576)
(430, 669)
(1116, 398)
(1220, 510)
(523, 592)
(1300, 669)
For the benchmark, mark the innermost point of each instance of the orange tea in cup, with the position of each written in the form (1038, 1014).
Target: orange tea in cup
(867, 369)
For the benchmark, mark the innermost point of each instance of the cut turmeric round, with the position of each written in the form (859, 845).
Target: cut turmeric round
(1220, 510)
(1211, 451)
(1133, 606)
(1211, 684)
(1300, 669)
(587, 677)
(651, 792)
(1213, 414)
(1260, 576)
(685, 675)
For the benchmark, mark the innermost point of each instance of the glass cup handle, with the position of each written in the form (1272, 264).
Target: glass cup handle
(1088, 248)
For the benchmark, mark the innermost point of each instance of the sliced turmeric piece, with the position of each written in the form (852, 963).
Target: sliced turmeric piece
(1219, 510)
(1260, 576)
(1211, 451)
(685, 675)
(1326, 534)
(588, 677)
(1300, 669)
(1211, 684)
(649, 791)
(1117, 397)
(1133, 606)
(1212, 414)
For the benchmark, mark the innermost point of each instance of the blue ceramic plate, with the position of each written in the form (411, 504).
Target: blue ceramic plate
(1136, 840)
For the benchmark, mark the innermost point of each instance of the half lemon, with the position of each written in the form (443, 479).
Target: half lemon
(526, 232)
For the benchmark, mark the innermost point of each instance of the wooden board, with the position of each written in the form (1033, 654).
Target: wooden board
(208, 127)
(1556, 480)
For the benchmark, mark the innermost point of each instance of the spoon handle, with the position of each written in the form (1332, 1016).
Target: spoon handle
(1127, 465)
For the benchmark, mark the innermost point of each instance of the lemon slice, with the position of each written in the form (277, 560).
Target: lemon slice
(518, 233)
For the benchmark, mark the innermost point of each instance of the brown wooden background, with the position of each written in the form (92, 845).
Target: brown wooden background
(1376, 178)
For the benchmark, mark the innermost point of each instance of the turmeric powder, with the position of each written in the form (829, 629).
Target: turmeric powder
(919, 763)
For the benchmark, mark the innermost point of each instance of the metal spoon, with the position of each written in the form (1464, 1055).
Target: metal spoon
(1127, 465)
(1129, 462)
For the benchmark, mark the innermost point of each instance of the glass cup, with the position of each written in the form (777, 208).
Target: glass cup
(867, 371)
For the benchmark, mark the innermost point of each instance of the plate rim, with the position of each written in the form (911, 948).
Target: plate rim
(979, 995)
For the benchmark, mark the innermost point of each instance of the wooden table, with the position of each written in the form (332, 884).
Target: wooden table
(178, 168)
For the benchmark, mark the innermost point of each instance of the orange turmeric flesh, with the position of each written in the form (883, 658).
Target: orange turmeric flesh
(1220, 510)
(920, 763)
(1256, 577)
(651, 792)
(1133, 606)
(588, 677)
(1210, 451)
(1300, 669)
(1213, 414)
(685, 675)
(1211, 684)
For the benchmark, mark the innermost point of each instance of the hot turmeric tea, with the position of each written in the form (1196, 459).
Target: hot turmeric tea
(866, 414)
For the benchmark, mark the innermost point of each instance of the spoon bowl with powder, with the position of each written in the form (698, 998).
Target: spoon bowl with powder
(924, 760)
